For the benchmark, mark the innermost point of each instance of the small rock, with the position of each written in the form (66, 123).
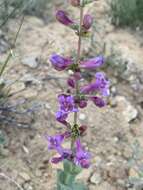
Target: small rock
(133, 173)
(25, 149)
(16, 87)
(82, 116)
(116, 139)
(98, 161)
(113, 90)
(96, 178)
(31, 61)
(125, 107)
(127, 153)
(27, 186)
(25, 176)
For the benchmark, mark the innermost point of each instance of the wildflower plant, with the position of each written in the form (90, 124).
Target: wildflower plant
(76, 98)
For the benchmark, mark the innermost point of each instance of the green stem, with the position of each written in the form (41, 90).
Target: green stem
(10, 52)
(78, 62)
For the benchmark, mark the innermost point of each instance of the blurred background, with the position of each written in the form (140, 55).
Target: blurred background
(29, 34)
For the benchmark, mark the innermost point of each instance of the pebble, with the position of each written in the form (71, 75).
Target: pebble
(133, 173)
(25, 176)
(82, 116)
(27, 187)
(31, 61)
(17, 87)
(96, 178)
(130, 113)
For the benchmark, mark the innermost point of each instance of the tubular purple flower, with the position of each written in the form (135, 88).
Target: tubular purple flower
(67, 103)
(55, 141)
(61, 116)
(87, 21)
(81, 157)
(59, 62)
(92, 63)
(63, 18)
(64, 154)
(88, 88)
(99, 102)
(101, 85)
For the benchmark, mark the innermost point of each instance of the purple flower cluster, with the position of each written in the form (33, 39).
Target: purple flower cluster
(70, 102)
(80, 157)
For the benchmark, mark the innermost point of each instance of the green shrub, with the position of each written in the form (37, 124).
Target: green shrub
(127, 12)
(13, 8)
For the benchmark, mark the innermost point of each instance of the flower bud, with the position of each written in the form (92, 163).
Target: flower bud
(71, 82)
(75, 3)
(87, 21)
(59, 62)
(63, 18)
(82, 103)
(99, 102)
(82, 129)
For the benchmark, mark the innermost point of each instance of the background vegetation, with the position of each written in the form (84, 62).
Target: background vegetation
(127, 12)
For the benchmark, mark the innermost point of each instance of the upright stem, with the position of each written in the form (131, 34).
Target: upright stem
(78, 62)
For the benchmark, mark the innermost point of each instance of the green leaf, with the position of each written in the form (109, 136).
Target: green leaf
(61, 186)
(68, 166)
(65, 178)
(76, 170)
(60, 176)
(71, 168)
(68, 179)
(79, 186)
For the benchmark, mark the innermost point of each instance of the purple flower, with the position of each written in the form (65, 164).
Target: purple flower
(55, 141)
(101, 85)
(87, 21)
(81, 157)
(59, 62)
(98, 101)
(61, 116)
(92, 63)
(88, 88)
(64, 154)
(63, 18)
(82, 103)
(71, 82)
(67, 103)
